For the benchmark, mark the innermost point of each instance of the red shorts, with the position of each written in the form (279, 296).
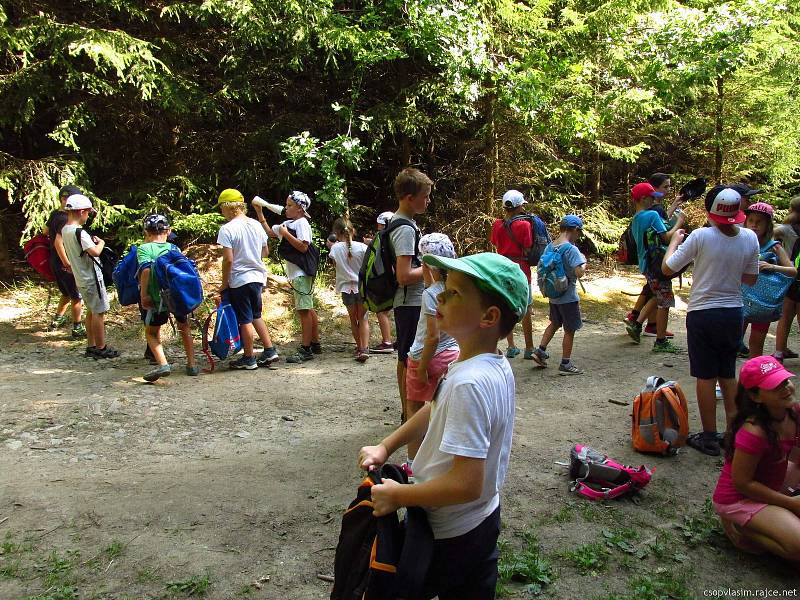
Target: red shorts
(416, 391)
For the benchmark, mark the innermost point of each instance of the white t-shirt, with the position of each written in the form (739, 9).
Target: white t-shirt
(246, 238)
(719, 263)
(302, 231)
(430, 305)
(472, 416)
(347, 267)
(83, 267)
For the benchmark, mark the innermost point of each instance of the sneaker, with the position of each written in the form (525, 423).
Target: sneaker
(89, 352)
(58, 322)
(790, 354)
(267, 357)
(630, 318)
(779, 357)
(383, 348)
(300, 356)
(569, 369)
(512, 351)
(362, 355)
(158, 372)
(316, 348)
(704, 442)
(634, 330)
(540, 357)
(244, 363)
(79, 331)
(192, 371)
(650, 331)
(666, 347)
(528, 355)
(105, 352)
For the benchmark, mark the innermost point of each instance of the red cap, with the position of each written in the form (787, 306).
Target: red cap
(763, 372)
(641, 190)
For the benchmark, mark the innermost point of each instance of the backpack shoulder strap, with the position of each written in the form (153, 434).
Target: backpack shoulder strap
(507, 225)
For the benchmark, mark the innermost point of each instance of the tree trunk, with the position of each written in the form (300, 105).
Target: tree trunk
(6, 268)
(492, 162)
(719, 129)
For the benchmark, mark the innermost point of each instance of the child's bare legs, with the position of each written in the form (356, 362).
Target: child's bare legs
(153, 335)
(548, 334)
(62, 306)
(248, 333)
(646, 311)
(706, 390)
(729, 389)
(77, 309)
(97, 325)
(756, 342)
(777, 530)
(260, 325)
(527, 329)
(363, 326)
(385, 327)
(790, 310)
(309, 325)
(662, 317)
(401, 388)
(353, 311)
(91, 338)
(566, 345)
(510, 340)
(185, 330)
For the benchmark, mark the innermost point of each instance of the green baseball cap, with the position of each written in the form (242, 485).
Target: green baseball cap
(493, 272)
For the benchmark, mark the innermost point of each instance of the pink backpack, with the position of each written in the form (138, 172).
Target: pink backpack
(596, 476)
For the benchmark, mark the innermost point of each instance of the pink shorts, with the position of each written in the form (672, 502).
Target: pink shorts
(416, 391)
(734, 517)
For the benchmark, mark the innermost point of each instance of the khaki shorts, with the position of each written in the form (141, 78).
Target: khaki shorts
(95, 303)
(303, 298)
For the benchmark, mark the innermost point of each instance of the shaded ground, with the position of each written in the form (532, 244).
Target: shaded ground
(235, 481)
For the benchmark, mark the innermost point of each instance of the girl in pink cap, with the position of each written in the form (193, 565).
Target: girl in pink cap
(754, 497)
(771, 257)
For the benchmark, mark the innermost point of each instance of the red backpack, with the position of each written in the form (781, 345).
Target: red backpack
(37, 253)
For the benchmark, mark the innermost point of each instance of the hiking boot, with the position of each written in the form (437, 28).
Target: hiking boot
(78, 331)
(743, 351)
(666, 347)
(363, 355)
(650, 331)
(149, 356)
(105, 352)
(267, 357)
(634, 330)
(383, 348)
(540, 357)
(316, 348)
(300, 356)
(705, 442)
(192, 371)
(512, 351)
(569, 369)
(790, 354)
(158, 372)
(244, 363)
(58, 322)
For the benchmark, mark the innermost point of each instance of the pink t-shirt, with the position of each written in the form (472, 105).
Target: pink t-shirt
(771, 469)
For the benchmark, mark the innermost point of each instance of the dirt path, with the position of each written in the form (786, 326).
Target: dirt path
(113, 488)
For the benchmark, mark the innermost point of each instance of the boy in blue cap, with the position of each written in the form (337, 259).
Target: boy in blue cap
(565, 311)
(465, 431)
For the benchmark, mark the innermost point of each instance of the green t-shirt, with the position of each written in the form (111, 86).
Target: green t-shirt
(146, 255)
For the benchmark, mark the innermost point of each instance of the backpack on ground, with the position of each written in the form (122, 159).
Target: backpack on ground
(308, 260)
(660, 419)
(37, 253)
(106, 262)
(551, 275)
(126, 278)
(539, 233)
(377, 280)
(627, 253)
(225, 340)
(179, 282)
(595, 476)
(369, 548)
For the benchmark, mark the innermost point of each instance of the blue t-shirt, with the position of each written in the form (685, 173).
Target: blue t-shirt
(572, 258)
(642, 222)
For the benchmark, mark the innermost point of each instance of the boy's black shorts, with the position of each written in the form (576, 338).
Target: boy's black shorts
(157, 319)
(405, 324)
(713, 336)
(64, 279)
(246, 302)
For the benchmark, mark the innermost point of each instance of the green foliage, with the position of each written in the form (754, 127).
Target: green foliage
(527, 566)
(196, 585)
(702, 527)
(589, 558)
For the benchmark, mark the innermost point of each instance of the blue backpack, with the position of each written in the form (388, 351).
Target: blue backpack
(126, 279)
(225, 340)
(551, 276)
(179, 282)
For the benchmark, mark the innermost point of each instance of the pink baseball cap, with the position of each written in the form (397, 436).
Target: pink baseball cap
(760, 207)
(763, 372)
(641, 190)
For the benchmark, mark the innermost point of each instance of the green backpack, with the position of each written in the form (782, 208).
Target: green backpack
(377, 280)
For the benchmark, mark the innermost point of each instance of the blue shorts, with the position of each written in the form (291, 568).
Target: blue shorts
(712, 336)
(246, 302)
(567, 315)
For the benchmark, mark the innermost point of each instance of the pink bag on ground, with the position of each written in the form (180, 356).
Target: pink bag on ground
(597, 477)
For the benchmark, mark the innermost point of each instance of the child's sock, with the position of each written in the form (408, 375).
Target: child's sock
(566, 361)
(542, 348)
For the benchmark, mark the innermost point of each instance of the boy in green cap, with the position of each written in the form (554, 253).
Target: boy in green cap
(465, 431)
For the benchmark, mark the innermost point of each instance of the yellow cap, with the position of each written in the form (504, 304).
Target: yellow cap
(230, 195)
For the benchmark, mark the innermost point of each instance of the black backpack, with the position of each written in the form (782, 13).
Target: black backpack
(377, 280)
(628, 254)
(308, 261)
(107, 260)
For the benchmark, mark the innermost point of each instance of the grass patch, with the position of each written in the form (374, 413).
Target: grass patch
(589, 559)
(702, 527)
(196, 585)
(661, 586)
(565, 514)
(526, 566)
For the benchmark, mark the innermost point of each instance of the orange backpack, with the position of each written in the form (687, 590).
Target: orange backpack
(660, 417)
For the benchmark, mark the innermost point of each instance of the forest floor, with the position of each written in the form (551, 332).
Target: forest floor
(232, 484)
